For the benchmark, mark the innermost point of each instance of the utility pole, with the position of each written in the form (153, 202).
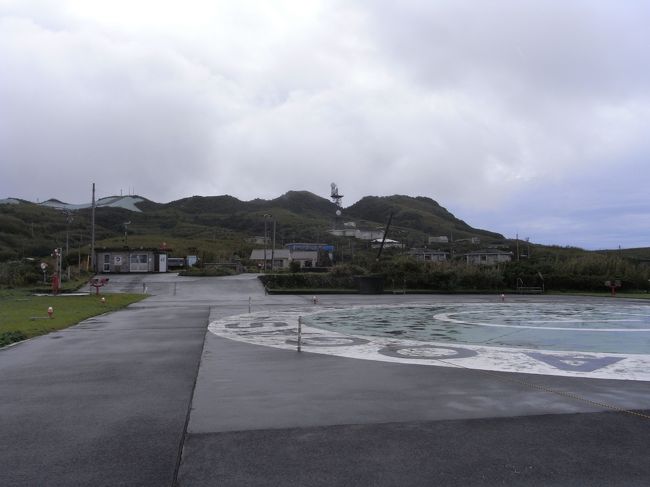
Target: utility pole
(126, 233)
(267, 216)
(68, 219)
(517, 240)
(92, 236)
(528, 247)
(79, 252)
(265, 235)
(273, 248)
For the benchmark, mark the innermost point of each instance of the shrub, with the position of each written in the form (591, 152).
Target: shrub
(9, 337)
(208, 272)
(308, 281)
(18, 273)
(347, 270)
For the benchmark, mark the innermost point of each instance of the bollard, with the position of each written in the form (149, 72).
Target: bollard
(103, 300)
(314, 300)
(503, 298)
(144, 288)
(249, 304)
(299, 333)
(50, 312)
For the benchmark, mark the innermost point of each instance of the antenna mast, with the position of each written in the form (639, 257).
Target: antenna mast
(336, 197)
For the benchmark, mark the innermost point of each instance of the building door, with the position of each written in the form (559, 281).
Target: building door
(162, 263)
(139, 263)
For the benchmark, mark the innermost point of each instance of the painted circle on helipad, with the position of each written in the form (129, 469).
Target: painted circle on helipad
(615, 328)
(427, 352)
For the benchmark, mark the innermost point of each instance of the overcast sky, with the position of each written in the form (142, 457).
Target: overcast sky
(526, 117)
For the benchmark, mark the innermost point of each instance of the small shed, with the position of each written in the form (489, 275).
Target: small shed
(306, 258)
(280, 257)
(126, 260)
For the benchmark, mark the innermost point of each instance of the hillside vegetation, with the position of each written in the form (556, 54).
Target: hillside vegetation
(217, 225)
(218, 229)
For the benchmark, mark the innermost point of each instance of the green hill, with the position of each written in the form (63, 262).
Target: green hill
(419, 214)
(218, 228)
(219, 225)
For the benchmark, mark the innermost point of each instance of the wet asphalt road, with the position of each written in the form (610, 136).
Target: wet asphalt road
(121, 400)
(102, 403)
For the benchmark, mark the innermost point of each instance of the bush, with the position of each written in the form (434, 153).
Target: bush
(208, 272)
(9, 337)
(308, 281)
(17, 273)
(347, 270)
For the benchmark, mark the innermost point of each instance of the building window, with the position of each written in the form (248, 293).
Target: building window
(139, 263)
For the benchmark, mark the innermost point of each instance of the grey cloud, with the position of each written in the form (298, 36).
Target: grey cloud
(477, 105)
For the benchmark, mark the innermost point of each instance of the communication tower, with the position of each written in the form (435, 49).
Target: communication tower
(336, 197)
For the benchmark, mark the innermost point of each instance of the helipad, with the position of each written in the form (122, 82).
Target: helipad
(598, 340)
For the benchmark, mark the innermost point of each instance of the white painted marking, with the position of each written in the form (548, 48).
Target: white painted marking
(627, 366)
(447, 318)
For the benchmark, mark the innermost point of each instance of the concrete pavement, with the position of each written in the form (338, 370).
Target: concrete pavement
(264, 416)
(107, 403)
(101, 403)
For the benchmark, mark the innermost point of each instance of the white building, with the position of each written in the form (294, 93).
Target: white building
(360, 233)
(427, 255)
(125, 260)
(306, 258)
(282, 258)
(488, 257)
(388, 244)
(440, 239)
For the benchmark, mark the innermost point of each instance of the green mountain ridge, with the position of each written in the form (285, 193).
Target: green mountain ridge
(222, 222)
(419, 213)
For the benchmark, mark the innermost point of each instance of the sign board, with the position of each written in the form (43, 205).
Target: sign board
(117, 260)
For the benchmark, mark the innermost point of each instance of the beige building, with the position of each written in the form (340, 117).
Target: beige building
(488, 257)
(427, 255)
(440, 239)
(280, 258)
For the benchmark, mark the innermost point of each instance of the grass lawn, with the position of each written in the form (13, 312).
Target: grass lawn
(24, 316)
